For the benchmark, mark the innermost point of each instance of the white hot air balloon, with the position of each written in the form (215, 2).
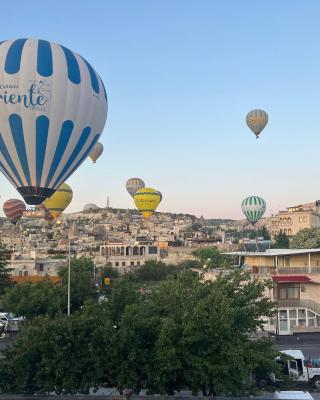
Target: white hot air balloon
(133, 185)
(257, 121)
(96, 152)
(53, 108)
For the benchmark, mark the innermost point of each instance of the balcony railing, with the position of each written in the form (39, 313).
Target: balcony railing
(309, 304)
(263, 270)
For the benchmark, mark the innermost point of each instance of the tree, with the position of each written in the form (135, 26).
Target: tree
(108, 272)
(31, 300)
(188, 332)
(152, 270)
(47, 298)
(211, 257)
(5, 278)
(263, 232)
(308, 238)
(281, 241)
(205, 329)
(57, 355)
(81, 278)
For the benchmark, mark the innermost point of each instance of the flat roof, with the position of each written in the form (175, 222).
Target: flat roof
(273, 252)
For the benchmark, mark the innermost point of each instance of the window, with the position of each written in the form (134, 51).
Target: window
(153, 250)
(287, 259)
(305, 219)
(300, 219)
(132, 263)
(41, 267)
(289, 231)
(25, 273)
(288, 291)
(138, 262)
(289, 220)
(117, 264)
(20, 273)
(123, 263)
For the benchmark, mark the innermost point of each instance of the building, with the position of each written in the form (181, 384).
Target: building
(127, 255)
(295, 277)
(296, 218)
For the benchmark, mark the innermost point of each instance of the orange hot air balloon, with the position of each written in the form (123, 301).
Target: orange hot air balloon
(13, 209)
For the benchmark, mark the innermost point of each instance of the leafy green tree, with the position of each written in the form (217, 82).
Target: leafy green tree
(281, 241)
(188, 332)
(188, 264)
(308, 238)
(152, 270)
(263, 232)
(81, 278)
(47, 298)
(211, 257)
(57, 355)
(108, 272)
(5, 280)
(31, 300)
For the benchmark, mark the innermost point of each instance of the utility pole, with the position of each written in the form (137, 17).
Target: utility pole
(69, 274)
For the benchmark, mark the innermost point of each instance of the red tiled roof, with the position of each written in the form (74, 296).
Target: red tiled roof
(291, 278)
(34, 279)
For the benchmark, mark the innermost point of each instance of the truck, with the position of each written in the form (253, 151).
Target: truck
(300, 369)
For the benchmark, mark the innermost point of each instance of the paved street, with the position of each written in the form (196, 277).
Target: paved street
(308, 343)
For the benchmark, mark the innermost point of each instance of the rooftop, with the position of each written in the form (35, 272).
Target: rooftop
(273, 252)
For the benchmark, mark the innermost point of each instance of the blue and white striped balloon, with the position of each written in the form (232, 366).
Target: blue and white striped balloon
(53, 108)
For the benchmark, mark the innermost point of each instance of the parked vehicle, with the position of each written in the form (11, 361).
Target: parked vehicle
(292, 395)
(13, 322)
(300, 369)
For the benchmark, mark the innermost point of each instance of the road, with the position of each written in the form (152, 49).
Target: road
(308, 343)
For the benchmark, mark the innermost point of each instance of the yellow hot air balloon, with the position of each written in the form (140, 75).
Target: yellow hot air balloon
(147, 200)
(59, 201)
(256, 121)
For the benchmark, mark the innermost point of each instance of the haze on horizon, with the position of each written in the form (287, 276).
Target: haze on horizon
(181, 77)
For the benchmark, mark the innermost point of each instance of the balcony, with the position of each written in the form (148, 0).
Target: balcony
(267, 271)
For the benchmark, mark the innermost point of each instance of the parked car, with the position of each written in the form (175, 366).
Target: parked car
(292, 395)
(13, 322)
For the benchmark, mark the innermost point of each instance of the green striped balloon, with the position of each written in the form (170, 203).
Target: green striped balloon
(253, 208)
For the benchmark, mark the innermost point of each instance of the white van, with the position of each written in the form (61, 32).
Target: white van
(292, 395)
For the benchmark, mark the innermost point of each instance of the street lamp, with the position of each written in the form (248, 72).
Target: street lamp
(69, 275)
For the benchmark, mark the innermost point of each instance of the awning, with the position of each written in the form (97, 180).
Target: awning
(291, 278)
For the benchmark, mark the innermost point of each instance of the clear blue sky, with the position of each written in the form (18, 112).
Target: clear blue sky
(181, 76)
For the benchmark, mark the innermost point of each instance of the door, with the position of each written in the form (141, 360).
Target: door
(283, 323)
(293, 370)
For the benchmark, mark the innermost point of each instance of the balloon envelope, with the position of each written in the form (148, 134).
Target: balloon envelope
(13, 209)
(147, 200)
(253, 208)
(133, 185)
(59, 201)
(96, 152)
(256, 121)
(53, 108)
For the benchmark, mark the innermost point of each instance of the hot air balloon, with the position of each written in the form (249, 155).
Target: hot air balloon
(96, 152)
(133, 185)
(53, 107)
(13, 209)
(253, 208)
(160, 194)
(256, 121)
(147, 200)
(59, 201)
